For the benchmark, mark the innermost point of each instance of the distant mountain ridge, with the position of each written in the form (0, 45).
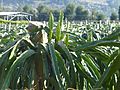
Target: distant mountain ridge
(60, 1)
(16, 2)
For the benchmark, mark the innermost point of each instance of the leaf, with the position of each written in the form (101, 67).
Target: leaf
(90, 36)
(66, 39)
(113, 36)
(80, 69)
(58, 32)
(98, 43)
(5, 55)
(67, 55)
(50, 25)
(19, 60)
(55, 66)
(29, 43)
(61, 17)
(113, 66)
(63, 68)
(3, 62)
(59, 27)
(91, 64)
(98, 54)
(14, 50)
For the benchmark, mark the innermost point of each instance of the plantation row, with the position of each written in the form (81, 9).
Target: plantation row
(12, 30)
(11, 33)
(82, 56)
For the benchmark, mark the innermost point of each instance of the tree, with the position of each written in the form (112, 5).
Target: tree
(85, 15)
(26, 8)
(41, 8)
(70, 11)
(56, 14)
(100, 16)
(93, 15)
(81, 13)
(43, 13)
(78, 13)
(19, 9)
(119, 12)
(113, 16)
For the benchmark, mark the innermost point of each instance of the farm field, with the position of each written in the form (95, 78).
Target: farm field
(78, 56)
(10, 33)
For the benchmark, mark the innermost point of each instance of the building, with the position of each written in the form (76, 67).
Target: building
(16, 16)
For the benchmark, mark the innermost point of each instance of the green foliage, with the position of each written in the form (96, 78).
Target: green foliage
(70, 11)
(113, 16)
(9, 35)
(13, 22)
(93, 15)
(68, 60)
(50, 24)
(26, 8)
(81, 14)
(119, 12)
(56, 14)
(43, 13)
(100, 16)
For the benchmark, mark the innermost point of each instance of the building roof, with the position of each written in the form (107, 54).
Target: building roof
(14, 13)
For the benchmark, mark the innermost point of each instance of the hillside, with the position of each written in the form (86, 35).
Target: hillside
(64, 2)
(106, 6)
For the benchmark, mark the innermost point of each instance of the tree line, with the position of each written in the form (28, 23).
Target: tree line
(71, 12)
